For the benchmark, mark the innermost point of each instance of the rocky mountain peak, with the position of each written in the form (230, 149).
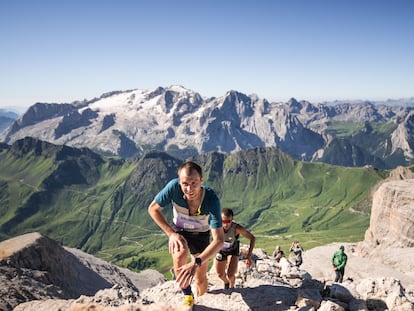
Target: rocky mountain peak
(403, 137)
(178, 120)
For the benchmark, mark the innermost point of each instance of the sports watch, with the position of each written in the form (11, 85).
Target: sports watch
(198, 261)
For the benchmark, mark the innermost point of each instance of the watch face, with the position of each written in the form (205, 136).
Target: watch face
(198, 261)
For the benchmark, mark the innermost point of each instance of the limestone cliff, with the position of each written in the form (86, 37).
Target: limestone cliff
(392, 217)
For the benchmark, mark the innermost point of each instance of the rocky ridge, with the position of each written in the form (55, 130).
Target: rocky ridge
(182, 122)
(35, 267)
(269, 285)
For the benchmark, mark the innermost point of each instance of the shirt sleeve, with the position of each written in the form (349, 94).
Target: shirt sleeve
(166, 195)
(215, 212)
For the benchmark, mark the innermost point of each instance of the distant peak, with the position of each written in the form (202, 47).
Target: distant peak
(179, 88)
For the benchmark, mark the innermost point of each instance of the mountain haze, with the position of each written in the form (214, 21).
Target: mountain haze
(7, 118)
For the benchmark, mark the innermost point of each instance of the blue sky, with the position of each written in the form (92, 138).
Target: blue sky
(67, 50)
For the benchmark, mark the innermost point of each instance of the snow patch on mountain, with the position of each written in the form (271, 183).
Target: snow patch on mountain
(182, 122)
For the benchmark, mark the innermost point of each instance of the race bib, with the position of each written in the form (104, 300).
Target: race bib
(184, 222)
(226, 246)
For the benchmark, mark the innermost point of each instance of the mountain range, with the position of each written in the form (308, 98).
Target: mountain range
(7, 117)
(182, 123)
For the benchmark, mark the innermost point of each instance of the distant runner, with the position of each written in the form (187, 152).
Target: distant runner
(229, 254)
(297, 251)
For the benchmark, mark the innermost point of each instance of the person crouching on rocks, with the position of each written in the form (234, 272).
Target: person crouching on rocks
(228, 257)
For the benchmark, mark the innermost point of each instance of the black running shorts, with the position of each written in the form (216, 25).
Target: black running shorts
(234, 250)
(197, 241)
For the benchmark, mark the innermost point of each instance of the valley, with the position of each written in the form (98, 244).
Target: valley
(99, 204)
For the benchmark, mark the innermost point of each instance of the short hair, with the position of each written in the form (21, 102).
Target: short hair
(228, 212)
(189, 167)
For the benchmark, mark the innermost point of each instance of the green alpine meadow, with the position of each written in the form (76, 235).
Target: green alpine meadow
(99, 204)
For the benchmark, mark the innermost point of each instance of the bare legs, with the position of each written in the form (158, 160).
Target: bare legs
(228, 277)
(200, 276)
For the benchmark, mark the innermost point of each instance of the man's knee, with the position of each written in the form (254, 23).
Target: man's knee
(180, 256)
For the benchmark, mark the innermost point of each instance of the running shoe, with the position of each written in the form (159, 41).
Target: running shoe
(188, 302)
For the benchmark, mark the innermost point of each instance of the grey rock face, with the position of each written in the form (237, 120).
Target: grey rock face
(132, 122)
(33, 266)
(392, 218)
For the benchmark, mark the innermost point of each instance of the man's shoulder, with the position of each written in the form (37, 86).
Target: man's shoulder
(171, 189)
(173, 184)
(174, 181)
(208, 189)
(210, 193)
